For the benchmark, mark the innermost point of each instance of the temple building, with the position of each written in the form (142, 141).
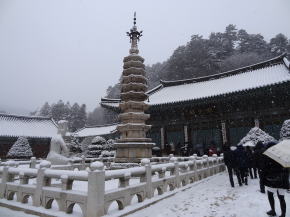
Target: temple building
(38, 131)
(219, 109)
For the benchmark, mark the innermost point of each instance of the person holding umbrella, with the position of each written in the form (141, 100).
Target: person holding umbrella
(276, 179)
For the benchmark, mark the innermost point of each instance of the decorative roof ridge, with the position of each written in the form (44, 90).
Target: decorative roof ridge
(275, 60)
(154, 89)
(111, 100)
(26, 117)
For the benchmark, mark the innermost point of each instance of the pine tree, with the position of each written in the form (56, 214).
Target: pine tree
(279, 44)
(20, 149)
(45, 110)
(285, 130)
(74, 115)
(58, 111)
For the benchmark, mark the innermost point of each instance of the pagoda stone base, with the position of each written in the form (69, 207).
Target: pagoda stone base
(133, 152)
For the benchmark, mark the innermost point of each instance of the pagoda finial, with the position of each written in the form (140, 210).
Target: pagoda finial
(134, 36)
(134, 19)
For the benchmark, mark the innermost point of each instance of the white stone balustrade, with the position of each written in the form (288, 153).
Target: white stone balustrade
(37, 183)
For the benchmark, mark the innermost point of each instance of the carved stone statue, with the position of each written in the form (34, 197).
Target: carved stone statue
(58, 151)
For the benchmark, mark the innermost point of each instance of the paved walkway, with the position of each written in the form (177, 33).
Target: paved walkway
(214, 198)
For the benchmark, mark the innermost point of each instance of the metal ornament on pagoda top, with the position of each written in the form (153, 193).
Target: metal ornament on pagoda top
(133, 144)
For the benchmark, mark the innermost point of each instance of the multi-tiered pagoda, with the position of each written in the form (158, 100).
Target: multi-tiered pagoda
(133, 144)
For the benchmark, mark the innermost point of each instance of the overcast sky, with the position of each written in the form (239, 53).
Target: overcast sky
(73, 49)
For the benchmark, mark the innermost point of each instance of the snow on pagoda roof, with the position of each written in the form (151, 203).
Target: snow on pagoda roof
(95, 131)
(27, 126)
(267, 73)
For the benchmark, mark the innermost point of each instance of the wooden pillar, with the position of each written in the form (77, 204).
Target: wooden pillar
(185, 134)
(162, 138)
(224, 132)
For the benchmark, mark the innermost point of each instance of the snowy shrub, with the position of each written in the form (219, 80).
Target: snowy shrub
(85, 144)
(109, 146)
(285, 130)
(255, 135)
(108, 153)
(98, 140)
(20, 149)
(74, 146)
(97, 146)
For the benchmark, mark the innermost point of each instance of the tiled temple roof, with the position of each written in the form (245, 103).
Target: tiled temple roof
(27, 126)
(95, 130)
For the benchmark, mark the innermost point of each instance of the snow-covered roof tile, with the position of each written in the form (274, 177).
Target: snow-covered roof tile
(95, 131)
(210, 88)
(27, 126)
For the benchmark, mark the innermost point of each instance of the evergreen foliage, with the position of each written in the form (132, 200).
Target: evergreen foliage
(75, 115)
(97, 146)
(20, 149)
(74, 146)
(255, 135)
(285, 130)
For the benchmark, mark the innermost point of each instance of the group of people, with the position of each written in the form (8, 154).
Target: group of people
(243, 161)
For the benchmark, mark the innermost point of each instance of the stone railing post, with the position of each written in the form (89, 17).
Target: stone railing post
(3, 181)
(24, 179)
(161, 173)
(176, 171)
(124, 181)
(83, 162)
(215, 163)
(96, 190)
(32, 162)
(191, 166)
(66, 183)
(40, 182)
(148, 177)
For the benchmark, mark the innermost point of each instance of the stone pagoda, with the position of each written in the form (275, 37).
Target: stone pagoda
(133, 144)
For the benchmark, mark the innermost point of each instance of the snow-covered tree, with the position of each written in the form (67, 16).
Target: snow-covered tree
(74, 146)
(45, 110)
(255, 135)
(20, 149)
(109, 146)
(109, 149)
(285, 130)
(97, 146)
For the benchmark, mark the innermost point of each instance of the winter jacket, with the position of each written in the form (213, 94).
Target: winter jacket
(250, 158)
(241, 157)
(259, 159)
(275, 175)
(229, 159)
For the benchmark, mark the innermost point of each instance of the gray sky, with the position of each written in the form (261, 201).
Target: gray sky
(73, 49)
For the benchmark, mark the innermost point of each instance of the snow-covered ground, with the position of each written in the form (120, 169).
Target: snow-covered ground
(212, 197)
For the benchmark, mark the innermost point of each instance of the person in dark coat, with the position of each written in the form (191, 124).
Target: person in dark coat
(230, 162)
(259, 162)
(276, 179)
(242, 164)
(251, 169)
